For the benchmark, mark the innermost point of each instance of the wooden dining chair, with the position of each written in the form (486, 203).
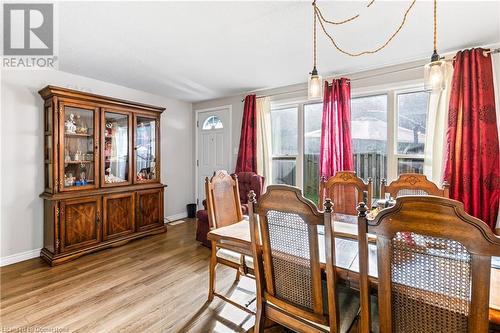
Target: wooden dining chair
(288, 252)
(346, 190)
(224, 209)
(413, 184)
(437, 282)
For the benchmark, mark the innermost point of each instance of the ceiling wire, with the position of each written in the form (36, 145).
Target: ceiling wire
(321, 20)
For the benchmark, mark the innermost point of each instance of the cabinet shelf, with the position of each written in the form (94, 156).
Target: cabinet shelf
(77, 135)
(78, 162)
(88, 182)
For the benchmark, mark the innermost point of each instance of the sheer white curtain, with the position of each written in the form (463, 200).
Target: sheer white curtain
(496, 82)
(263, 106)
(435, 139)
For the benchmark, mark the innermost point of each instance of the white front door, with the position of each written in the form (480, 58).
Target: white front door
(214, 150)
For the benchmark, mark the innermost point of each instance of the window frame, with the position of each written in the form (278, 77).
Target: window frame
(395, 153)
(212, 127)
(300, 147)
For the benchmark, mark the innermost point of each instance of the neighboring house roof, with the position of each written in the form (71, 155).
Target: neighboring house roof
(373, 129)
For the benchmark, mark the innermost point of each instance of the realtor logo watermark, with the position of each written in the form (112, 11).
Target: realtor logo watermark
(28, 36)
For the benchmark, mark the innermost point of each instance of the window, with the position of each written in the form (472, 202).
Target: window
(369, 138)
(411, 122)
(284, 136)
(212, 122)
(388, 137)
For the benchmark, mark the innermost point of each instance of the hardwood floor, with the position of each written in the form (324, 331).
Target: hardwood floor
(154, 284)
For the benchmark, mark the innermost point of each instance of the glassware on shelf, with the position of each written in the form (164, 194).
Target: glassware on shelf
(67, 158)
(116, 148)
(145, 150)
(78, 146)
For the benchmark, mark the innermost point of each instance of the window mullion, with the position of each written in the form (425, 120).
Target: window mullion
(299, 175)
(392, 168)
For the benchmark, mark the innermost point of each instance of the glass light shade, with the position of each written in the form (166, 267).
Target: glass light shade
(314, 87)
(434, 73)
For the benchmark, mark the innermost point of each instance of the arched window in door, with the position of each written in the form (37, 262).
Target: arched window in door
(212, 122)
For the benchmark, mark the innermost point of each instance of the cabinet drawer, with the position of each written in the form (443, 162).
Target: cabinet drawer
(119, 216)
(149, 209)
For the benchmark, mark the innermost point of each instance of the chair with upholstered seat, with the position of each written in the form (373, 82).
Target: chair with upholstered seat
(413, 184)
(247, 181)
(438, 280)
(288, 253)
(346, 191)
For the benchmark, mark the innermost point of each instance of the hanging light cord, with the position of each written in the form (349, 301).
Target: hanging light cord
(334, 22)
(435, 25)
(319, 16)
(330, 22)
(344, 21)
(314, 37)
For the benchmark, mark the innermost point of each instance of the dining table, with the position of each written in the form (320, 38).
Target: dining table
(346, 255)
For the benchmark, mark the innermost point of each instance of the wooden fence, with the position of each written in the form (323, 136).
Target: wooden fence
(365, 164)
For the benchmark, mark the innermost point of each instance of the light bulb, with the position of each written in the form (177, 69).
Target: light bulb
(314, 90)
(434, 75)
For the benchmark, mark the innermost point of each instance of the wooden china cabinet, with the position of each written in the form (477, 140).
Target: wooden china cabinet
(102, 173)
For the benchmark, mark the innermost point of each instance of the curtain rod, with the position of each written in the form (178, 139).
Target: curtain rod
(493, 51)
(350, 80)
(485, 53)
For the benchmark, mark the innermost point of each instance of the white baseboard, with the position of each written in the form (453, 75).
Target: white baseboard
(13, 258)
(175, 217)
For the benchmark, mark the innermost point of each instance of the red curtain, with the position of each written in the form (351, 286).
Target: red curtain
(247, 154)
(336, 144)
(472, 154)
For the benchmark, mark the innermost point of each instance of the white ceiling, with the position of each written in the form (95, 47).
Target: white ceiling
(201, 50)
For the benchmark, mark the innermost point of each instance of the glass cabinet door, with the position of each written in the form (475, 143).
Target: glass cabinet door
(146, 152)
(78, 148)
(115, 148)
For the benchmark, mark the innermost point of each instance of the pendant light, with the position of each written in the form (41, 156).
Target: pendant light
(314, 84)
(434, 72)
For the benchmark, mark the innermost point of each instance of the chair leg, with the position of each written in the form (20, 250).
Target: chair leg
(260, 321)
(238, 274)
(211, 272)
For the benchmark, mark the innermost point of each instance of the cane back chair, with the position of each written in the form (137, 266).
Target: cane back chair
(413, 184)
(346, 190)
(224, 209)
(287, 253)
(439, 283)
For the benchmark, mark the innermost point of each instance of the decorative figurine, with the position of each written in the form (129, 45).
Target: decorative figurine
(110, 178)
(70, 124)
(109, 130)
(82, 129)
(108, 149)
(69, 180)
(77, 156)
(83, 179)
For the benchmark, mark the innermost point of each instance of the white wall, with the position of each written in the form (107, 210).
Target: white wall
(21, 153)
